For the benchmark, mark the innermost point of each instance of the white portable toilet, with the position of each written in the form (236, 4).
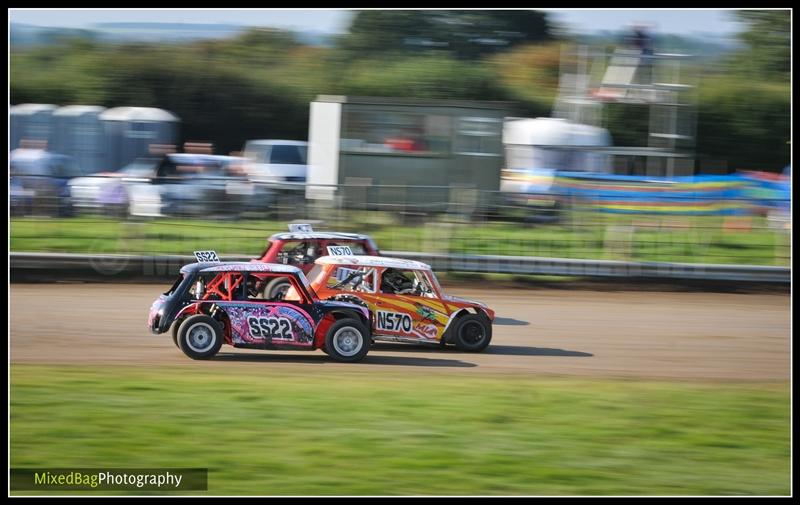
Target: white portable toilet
(78, 132)
(130, 131)
(30, 121)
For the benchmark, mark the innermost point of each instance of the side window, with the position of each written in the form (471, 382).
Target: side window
(396, 132)
(395, 281)
(478, 136)
(255, 287)
(166, 171)
(405, 282)
(234, 286)
(353, 279)
(298, 253)
(222, 286)
(293, 294)
(356, 247)
(197, 291)
(272, 287)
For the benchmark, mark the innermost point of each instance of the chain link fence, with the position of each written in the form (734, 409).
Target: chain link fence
(124, 218)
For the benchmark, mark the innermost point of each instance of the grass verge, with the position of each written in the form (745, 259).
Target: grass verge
(695, 239)
(347, 432)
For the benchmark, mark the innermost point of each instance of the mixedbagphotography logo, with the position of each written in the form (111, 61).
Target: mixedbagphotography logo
(108, 479)
(103, 261)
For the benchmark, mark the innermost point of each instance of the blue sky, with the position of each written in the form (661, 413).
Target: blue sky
(686, 22)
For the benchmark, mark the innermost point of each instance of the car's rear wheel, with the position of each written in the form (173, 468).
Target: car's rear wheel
(200, 336)
(472, 333)
(276, 289)
(347, 340)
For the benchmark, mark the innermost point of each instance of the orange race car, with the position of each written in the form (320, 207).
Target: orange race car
(405, 300)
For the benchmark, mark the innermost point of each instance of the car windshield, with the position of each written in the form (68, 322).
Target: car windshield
(435, 282)
(288, 155)
(174, 285)
(314, 273)
(308, 287)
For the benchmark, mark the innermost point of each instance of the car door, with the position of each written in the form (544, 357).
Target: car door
(414, 316)
(256, 322)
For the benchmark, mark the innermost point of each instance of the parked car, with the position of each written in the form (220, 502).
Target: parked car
(406, 301)
(197, 185)
(214, 303)
(39, 182)
(302, 248)
(107, 192)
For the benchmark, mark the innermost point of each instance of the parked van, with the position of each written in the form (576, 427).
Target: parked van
(535, 149)
(276, 161)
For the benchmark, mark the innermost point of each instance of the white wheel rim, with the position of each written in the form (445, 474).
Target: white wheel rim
(347, 341)
(201, 337)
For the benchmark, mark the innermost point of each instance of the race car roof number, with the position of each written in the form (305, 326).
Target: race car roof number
(339, 250)
(300, 228)
(206, 257)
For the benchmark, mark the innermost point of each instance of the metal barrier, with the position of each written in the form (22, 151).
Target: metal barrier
(597, 268)
(107, 267)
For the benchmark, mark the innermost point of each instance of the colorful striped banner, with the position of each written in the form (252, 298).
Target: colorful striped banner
(736, 194)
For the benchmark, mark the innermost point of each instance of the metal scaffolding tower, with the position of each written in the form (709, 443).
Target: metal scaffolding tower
(592, 80)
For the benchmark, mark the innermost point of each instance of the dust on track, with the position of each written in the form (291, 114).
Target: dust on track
(634, 334)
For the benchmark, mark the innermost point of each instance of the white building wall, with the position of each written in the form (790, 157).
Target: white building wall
(323, 150)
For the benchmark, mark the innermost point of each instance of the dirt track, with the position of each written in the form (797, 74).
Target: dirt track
(583, 333)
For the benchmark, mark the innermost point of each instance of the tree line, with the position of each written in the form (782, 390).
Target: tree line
(259, 84)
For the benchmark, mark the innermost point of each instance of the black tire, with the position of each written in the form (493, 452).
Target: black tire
(472, 333)
(200, 336)
(174, 330)
(275, 287)
(347, 340)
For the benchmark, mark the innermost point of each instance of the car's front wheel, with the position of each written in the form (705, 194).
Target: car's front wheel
(174, 330)
(472, 333)
(200, 336)
(347, 340)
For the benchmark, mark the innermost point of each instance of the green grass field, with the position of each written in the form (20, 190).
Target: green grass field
(702, 239)
(272, 431)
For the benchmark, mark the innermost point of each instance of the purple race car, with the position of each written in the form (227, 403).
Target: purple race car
(214, 303)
